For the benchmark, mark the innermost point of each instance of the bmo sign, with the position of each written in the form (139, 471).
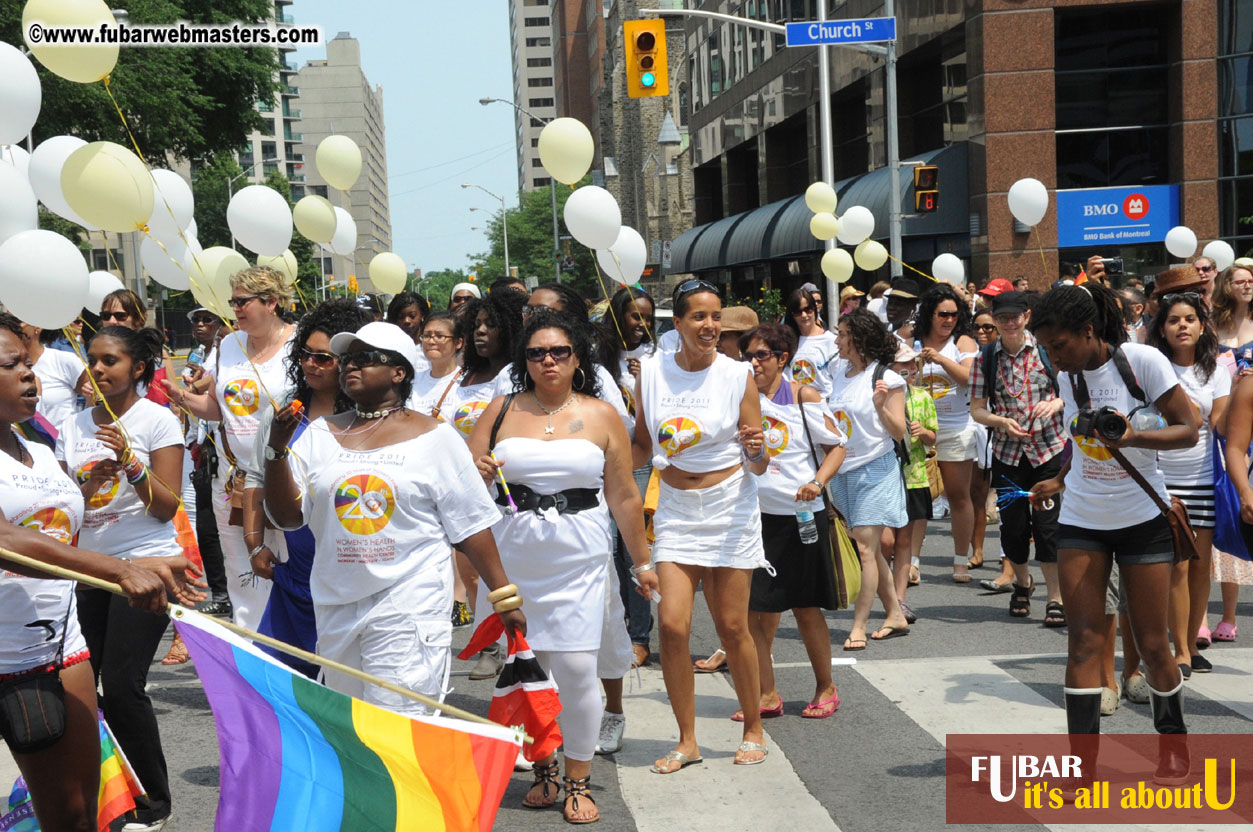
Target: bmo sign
(1116, 216)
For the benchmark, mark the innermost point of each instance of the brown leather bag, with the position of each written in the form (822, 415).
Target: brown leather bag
(1176, 513)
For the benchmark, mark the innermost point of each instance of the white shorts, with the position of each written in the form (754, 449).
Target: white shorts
(961, 446)
(716, 526)
(379, 635)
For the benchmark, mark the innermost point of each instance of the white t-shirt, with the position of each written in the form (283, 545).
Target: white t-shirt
(427, 391)
(58, 373)
(626, 381)
(609, 392)
(787, 445)
(694, 417)
(812, 363)
(465, 405)
(1195, 465)
(1099, 493)
(952, 400)
(243, 386)
(44, 498)
(852, 405)
(669, 342)
(117, 521)
(388, 515)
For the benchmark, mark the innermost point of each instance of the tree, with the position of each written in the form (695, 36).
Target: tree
(437, 286)
(209, 187)
(531, 245)
(190, 102)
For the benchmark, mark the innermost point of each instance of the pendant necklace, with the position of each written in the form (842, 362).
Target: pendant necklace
(550, 430)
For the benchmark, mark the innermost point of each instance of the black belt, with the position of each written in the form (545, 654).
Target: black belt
(570, 501)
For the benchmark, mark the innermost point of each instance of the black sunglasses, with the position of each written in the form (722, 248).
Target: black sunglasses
(687, 287)
(204, 320)
(762, 355)
(1191, 298)
(985, 327)
(115, 316)
(240, 303)
(946, 315)
(321, 359)
(367, 358)
(537, 354)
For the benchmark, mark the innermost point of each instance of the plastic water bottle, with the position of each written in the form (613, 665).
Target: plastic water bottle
(1147, 418)
(808, 528)
(194, 360)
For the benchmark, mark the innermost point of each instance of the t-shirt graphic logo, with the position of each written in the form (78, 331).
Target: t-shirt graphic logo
(938, 385)
(51, 521)
(1093, 449)
(106, 491)
(678, 434)
(803, 372)
(364, 503)
(467, 416)
(777, 435)
(844, 423)
(242, 397)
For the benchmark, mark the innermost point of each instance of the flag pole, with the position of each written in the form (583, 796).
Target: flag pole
(177, 612)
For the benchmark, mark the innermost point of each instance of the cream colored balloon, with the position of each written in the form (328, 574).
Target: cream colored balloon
(83, 64)
(820, 198)
(388, 272)
(108, 186)
(210, 277)
(566, 149)
(339, 161)
(837, 264)
(315, 218)
(870, 255)
(824, 226)
(285, 264)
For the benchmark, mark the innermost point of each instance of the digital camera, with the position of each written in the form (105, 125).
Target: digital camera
(1106, 422)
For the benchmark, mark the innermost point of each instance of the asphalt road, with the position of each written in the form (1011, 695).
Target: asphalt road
(877, 764)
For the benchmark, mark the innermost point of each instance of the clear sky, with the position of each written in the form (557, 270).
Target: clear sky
(435, 60)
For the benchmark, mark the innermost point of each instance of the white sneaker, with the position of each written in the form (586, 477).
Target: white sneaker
(611, 728)
(522, 763)
(155, 826)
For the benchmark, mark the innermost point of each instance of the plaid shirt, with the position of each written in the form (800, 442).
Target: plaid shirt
(1023, 371)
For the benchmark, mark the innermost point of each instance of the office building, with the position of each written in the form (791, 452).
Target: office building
(531, 40)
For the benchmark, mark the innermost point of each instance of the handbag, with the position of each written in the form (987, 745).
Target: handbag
(32, 705)
(1176, 513)
(842, 551)
(1227, 526)
(934, 478)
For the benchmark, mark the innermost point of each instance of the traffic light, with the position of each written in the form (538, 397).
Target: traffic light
(926, 188)
(647, 75)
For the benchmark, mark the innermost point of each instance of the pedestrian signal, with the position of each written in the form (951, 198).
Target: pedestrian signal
(926, 188)
(645, 44)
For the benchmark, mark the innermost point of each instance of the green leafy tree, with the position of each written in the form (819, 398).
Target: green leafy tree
(188, 102)
(436, 286)
(531, 245)
(209, 187)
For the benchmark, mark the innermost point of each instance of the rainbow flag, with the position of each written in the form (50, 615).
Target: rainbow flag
(296, 755)
(118, 785)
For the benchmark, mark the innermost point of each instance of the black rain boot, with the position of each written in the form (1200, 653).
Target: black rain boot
(1083, 724)
(1173, 760)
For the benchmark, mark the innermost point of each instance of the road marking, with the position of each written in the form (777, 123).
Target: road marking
(701, 798)
(1229, 683)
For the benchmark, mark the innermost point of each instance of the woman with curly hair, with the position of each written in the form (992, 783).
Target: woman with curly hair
(944, 329)
(567, 459)
(1183, 333)
(313, 378)
(868, 402)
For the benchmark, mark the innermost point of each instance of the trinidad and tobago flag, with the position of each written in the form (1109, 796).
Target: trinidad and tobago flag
(524, 694)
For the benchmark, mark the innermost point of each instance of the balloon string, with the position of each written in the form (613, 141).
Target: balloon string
(609, 309)
(1043, 261)
(912, 269)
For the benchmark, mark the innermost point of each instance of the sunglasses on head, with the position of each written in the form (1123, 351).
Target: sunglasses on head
(559, 353)
(1190, 298)
(762, 355)
(367, 358)
(321, 359)
(687, 287)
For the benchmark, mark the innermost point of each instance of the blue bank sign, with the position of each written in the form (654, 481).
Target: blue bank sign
(1116, 216)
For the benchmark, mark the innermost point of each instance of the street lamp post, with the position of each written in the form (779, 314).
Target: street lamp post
(504, 219)
(552, 183)
(230, 184)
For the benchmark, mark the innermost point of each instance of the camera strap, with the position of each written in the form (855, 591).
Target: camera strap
(1128, 375)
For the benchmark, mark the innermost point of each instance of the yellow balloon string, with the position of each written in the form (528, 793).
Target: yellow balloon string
(1040, 244)
(912, 269)
(609, 309)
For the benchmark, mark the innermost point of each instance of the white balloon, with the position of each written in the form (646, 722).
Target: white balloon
(631, 256)
(18, 209)
(1181, 241)
(260, 219)
(948, 268)
(172, 205)
(43, 278)
(170, 266)
(344, 243)
(99, 285)
(45, 176)
(14, 155)
(856, 225)
(191, 231)
(1028, 201)
(1219, 251)
(593, 217)
(20, 94)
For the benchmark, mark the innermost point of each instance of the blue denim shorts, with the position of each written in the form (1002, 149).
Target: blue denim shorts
(872, 495)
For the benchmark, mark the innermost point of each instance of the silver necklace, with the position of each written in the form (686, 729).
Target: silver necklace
(548, 431)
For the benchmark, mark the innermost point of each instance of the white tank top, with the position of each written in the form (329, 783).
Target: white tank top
(952, 400)
(693, 417)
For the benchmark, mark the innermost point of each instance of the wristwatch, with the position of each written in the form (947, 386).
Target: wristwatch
(816, 483)
(272, 455)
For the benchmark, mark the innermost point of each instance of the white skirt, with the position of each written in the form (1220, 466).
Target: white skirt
(717, 526)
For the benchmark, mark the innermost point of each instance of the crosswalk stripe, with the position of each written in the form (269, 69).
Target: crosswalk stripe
(1228, 684)
(736, 791)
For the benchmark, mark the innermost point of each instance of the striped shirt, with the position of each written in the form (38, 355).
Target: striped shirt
(1023, 372)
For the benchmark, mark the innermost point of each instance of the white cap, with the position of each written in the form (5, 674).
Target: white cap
(191, 316)
(380, 335)
(466, 287)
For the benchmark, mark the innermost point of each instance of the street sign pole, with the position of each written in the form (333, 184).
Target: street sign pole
(827, 148)
(894, 146)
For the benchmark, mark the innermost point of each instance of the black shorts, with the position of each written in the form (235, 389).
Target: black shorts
(1149, 542)
(918, 503)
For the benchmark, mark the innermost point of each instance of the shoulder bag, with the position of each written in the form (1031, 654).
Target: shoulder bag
(842, 552)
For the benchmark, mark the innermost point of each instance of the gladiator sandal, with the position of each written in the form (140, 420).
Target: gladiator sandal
(546, 774)
(574, 790)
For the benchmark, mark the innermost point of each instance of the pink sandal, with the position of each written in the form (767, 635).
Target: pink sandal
(1225, 632)
(818, 710)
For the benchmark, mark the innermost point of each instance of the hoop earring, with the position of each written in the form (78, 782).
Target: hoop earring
(583, 382)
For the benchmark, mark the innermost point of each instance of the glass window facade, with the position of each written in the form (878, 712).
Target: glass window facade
(1235, 123)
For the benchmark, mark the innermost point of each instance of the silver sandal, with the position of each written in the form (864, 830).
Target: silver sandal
(752, 746)
(676, 757)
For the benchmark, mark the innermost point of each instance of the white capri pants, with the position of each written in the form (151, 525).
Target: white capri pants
(249, 593)
(581, 706)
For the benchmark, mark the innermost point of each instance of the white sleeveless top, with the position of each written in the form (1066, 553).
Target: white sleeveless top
(787, 445)
(693, 417)
(952, 400)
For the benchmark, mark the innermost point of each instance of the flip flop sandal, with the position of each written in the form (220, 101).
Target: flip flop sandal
(676, 757)
(893, 632)
(821, 708)
(1054, 614)
(851, 644)
(751, 746)
(703, 665)
(960, 577)
(178, 653)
